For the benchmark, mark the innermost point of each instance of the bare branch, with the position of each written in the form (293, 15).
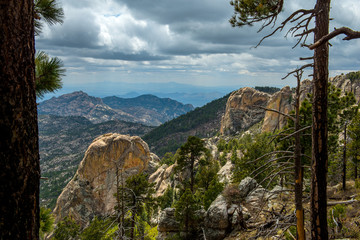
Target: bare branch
(293, 17)
(300, 130)
(273, 110)
(350, 34)
(301, 68)
(307, 58)
(341, 202)
(267, 154)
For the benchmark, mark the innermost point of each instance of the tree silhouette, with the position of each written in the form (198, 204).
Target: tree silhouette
(19, 152)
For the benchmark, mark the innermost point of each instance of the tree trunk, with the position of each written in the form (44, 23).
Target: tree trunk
(19, 151)
(344, 160)
(300, 230)
(319, 126)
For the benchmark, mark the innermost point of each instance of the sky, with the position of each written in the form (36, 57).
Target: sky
(112, 47)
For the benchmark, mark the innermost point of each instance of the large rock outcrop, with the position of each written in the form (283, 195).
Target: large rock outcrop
(280, 101)
(91, 191)
(242, 110)
(346, 85)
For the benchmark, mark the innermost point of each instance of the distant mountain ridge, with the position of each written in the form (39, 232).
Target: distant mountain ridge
(201, 122)
(146, 109)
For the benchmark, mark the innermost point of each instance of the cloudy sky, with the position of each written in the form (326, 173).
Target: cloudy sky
(127, 42)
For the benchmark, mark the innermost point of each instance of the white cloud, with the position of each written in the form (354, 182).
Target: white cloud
(184, 41)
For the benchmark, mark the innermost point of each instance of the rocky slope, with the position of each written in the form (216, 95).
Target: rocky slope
(280, 101)
(63, 141)
(91, 191)
(347, 85)
(145, 109)
(242, 110)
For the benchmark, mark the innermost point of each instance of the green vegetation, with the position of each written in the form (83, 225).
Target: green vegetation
(169, 136)
(48, 71)
(134, 207)
(254, 148)
(267, 89)
(353, 76)
(66, 229)
(46, 222)
(185, 213)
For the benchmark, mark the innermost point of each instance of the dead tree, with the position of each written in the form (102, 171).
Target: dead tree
(249, 12)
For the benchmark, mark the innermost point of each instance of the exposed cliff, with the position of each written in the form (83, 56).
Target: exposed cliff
(242, 110)
(91, 191)
(280, 101)
(347, 85)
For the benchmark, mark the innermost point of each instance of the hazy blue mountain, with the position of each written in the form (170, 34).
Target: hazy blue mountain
(184, 93)
(145, 109)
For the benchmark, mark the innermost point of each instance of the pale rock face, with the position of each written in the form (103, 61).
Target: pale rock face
(241, 110)
(346, 85)
(280, 101)
(91, 191)
(217, 214)
(225, 173)
(161, 178)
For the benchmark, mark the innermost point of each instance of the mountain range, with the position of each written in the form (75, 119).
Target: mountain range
(146, 109)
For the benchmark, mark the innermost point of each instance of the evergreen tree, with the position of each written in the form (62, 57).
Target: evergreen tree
(48, 71)
(66, 229)
(48, 11)
(189, 154)
(135, 200)
(207, 182)
(354, 145)
(254, 148)
(46, 222)
(185, 212)
(97, 230)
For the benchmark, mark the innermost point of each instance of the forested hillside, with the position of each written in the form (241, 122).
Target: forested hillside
(201, 122)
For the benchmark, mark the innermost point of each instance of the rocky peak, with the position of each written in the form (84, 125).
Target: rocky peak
(346, 85)
(91, 191)
(242, 110)
(280, 101)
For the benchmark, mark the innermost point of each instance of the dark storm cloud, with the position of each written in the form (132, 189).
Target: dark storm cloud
(173, 11)
(193, 37)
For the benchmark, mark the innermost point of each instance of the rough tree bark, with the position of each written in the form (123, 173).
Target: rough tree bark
(318, 200)
(300, 229)
(344, 160)
(19, 153)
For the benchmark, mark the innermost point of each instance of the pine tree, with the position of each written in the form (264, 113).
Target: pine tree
(189, 154)
(185, 212)
(48, 70)
(46, 222)
(354, 145)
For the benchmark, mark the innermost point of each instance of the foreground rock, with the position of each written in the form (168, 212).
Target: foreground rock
(226, 215)
(91, 191)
